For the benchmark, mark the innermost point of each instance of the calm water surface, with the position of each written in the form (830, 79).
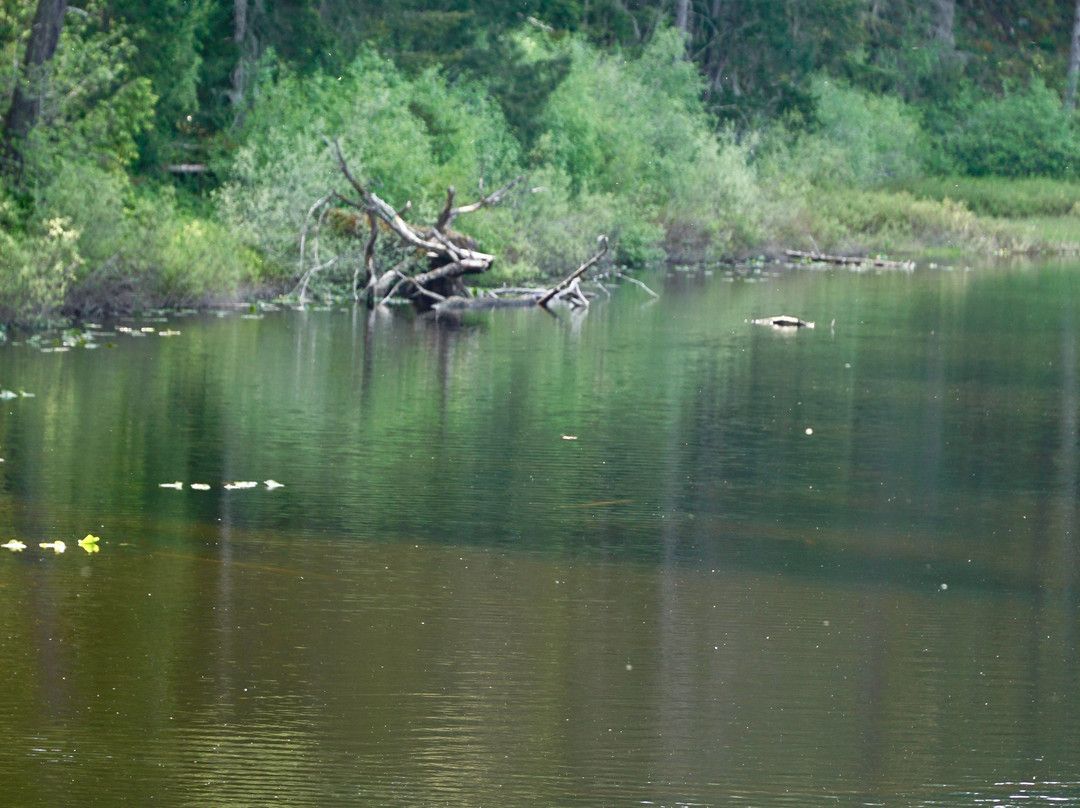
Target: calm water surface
(653, 555)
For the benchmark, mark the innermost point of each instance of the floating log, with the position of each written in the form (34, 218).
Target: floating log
(849, 260)
(488, 302)
(783, 321)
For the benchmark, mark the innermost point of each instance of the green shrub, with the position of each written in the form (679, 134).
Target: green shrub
(1023, 133)
(135, 248)
(857, 140)
(37, 266)
(636, 129)
(408, 138)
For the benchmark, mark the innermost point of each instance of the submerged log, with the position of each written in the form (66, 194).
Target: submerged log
(850, 260)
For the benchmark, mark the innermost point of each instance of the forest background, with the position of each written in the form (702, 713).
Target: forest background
(175, 147)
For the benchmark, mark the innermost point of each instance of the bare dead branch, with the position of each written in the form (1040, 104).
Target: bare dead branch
(447, 214)
(635, 281)
(573, 276)
(488, 201)
(303, 231)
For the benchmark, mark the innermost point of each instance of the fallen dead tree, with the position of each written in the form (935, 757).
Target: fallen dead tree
(447, 255)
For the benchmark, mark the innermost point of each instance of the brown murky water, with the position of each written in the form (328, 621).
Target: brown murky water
(654, 555)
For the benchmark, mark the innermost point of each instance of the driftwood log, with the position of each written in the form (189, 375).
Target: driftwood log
(567, 290)
(881, 263)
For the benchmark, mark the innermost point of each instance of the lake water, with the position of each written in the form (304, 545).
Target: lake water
(651, 555)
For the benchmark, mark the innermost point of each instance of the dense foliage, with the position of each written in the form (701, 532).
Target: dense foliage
(179, 146)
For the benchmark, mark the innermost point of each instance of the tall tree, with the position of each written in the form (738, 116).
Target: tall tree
(1074, 64)
(682, 17)
(30, 88)
(944, 19)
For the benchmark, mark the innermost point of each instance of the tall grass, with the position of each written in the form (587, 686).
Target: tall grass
(1001, 196)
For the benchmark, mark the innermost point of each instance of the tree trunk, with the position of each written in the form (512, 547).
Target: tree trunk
(247, 16)
(682, 18)
(25, 108)
(1074, 64)
(944, 16)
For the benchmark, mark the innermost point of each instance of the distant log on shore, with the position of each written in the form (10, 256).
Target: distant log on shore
(854, 260)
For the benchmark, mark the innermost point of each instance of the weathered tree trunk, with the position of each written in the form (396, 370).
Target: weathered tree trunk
(944, 16)
(1074, 64)
(239, 73)
(682, 18)
(25, 109)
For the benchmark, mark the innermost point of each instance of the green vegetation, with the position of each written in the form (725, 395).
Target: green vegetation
(167, 168)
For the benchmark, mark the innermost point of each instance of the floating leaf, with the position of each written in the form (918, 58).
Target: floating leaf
(58, 546)
(272, 484)
(14, 545)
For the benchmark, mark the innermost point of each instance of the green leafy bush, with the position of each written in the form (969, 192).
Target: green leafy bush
(857, 139)
(636, 129)
(409, 138)
(36, 266)
(1023, 133)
